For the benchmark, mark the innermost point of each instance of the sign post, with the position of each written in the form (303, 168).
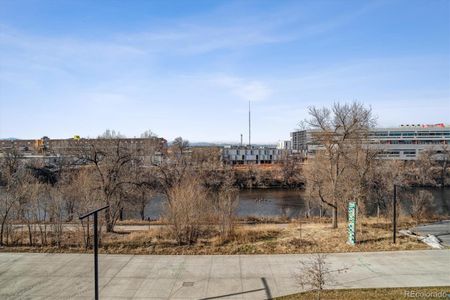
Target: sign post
(351, 229)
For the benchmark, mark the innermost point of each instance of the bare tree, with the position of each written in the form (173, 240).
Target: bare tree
(180, 145)
(174, 168)
(206, 156)
(30, 207)
(422, 172)
(111, 134)
(432, 167)
(20, 193)
(9, 167)
(291, 170)
(336, 131)
(148, 134)
(111, 164)
(144, 187)
(361, 163)
(443, 165)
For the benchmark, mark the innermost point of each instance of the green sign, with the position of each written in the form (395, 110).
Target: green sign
(351, 229)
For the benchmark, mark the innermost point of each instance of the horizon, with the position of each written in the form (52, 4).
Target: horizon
(223, 142)
(189, 69)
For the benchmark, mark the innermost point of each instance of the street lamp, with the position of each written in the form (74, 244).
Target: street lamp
(95, 212)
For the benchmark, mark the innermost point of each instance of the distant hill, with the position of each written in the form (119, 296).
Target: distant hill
(221, 144)
(203, 144)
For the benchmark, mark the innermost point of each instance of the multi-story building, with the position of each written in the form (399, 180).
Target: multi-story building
(151, 148)
(404, 142)
(243, 155)
(287, 145)
(408, 141)
(301, 140)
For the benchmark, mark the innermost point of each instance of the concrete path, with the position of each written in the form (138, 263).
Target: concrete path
(69, 276)
(440, 229)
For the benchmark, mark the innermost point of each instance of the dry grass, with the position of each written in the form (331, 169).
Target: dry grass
(295, 237)
(381, 293)
(140, 222)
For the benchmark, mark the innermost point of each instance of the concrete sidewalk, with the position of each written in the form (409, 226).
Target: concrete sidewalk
(70, 276)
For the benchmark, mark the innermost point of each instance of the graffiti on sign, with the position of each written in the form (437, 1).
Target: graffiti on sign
(351, 223)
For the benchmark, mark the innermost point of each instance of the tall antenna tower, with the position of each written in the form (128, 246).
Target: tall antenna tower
(249, 126)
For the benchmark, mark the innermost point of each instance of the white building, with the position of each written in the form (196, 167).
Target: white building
(287, 145)
(404, 142)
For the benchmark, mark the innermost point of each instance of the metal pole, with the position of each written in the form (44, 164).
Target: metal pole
(96, 255)
(95, 213)
(394, 217)
(249, 127)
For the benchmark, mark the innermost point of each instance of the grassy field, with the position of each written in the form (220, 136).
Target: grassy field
(379, 294)
(295, 237)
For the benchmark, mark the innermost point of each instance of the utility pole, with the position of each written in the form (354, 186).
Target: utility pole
(249, 126)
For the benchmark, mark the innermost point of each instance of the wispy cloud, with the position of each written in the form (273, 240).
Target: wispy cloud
(246, 89)
(188, 75)
(203, 35)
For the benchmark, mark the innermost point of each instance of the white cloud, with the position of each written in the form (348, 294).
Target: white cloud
(245, 89)
(107, 98)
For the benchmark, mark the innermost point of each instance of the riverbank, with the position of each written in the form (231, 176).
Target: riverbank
(294, 237)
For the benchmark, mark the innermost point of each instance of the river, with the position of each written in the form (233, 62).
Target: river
(289, 203)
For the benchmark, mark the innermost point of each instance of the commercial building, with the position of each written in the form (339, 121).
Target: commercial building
(287, 145)
(405, 142)
(151, 148)
(301, 140)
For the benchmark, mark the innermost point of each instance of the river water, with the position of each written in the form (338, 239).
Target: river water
(289, 203)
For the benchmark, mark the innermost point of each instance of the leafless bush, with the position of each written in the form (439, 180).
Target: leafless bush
(187, 210)
(224, 208)
(421, 205)
(314, 273)
(88, 197)
(223, 196)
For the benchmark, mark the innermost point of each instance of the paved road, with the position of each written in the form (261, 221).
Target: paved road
(440, 229)
(69, 276)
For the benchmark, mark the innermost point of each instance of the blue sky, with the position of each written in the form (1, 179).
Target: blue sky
(188, 68)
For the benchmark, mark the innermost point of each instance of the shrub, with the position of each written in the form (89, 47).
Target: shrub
(187, 210)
